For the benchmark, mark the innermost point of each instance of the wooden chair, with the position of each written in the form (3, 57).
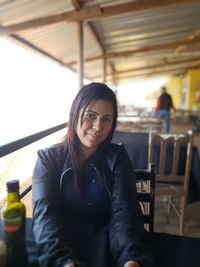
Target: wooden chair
(145, 180)
(172, 183)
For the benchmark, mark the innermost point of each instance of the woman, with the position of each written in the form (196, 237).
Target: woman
(85, 211)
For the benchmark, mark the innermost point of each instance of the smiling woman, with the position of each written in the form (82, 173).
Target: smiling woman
(85, 186)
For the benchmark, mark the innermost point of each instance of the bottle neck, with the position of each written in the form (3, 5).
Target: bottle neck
(13, 197)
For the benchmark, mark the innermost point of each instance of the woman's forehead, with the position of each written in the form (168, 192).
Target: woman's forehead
(100, 106)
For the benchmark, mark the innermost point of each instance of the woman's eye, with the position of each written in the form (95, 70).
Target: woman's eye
(90, 115)
(106, 119)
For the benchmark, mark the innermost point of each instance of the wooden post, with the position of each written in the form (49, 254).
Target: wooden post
(80, 66)
(104, 68)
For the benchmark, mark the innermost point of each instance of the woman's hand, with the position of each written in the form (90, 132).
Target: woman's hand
(131, 264)
(69, 265)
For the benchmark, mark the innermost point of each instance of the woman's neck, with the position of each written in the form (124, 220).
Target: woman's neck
(84, 154)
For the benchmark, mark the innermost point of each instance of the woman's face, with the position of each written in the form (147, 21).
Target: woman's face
(96, 125)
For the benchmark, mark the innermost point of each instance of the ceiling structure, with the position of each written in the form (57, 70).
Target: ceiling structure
(122, 40)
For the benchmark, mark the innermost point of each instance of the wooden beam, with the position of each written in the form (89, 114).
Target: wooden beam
(151, 48)
(89, 13)
(152, 74)
(69, 16)
(80, 65)
(161, 70)
(136, 6)
(157, 69)
(176, 71)
(76, 4)
(164, 64)
(104, 67)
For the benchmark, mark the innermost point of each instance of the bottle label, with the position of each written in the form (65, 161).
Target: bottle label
(14, 238)
(12, 225)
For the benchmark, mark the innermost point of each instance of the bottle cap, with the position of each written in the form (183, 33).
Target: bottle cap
(12, 185)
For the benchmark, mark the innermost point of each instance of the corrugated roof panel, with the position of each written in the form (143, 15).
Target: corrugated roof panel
(59, 40)
(91, 46)
(137, 27)
(131, 40)
(22, 10)
(104, 3)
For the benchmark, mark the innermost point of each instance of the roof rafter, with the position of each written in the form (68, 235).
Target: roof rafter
(77, 6)
(93, 12)
(154, 69)
(164, 64)
(151, 48)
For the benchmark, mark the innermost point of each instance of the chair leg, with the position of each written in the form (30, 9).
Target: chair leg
(182, 217)
(170, 199)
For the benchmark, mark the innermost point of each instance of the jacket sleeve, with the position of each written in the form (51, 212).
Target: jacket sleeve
(126, 228)
(47, 225)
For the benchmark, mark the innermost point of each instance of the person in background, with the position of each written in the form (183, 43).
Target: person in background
(163, 107)
(85, 207)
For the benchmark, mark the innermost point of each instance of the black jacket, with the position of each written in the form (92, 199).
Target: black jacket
(56, 230)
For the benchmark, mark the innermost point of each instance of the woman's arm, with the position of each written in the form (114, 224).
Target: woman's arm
(47, 221)
(126, 227)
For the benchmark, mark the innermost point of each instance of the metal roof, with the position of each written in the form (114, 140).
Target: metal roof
(140, 38)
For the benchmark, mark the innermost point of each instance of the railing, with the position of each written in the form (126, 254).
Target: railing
(20, 143)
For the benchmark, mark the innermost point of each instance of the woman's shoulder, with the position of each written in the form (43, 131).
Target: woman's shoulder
(116, 153)
(115, 150)
(116, 147)
(58, 149)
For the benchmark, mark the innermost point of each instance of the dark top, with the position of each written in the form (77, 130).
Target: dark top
(100, 226)
(165, 102)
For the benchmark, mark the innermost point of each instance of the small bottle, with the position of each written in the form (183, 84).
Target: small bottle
(3, 254)
(13, 217)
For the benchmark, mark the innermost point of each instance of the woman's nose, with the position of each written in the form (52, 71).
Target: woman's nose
(97, 125)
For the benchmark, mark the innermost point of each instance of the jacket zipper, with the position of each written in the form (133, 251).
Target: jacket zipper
(102, 180)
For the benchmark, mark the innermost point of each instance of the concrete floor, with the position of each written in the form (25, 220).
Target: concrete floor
(170, 224)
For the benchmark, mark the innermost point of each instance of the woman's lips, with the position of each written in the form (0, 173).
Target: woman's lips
(94, 136)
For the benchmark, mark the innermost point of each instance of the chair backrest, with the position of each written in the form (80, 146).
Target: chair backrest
(145, 182)
(174, 152)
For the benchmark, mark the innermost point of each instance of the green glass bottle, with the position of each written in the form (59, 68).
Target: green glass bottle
(13, 217)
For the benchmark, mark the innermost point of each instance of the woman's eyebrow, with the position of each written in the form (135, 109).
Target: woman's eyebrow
(108, 115)
(92, 111)
(96, 113)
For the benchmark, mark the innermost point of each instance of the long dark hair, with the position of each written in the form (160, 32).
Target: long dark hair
(88, 93)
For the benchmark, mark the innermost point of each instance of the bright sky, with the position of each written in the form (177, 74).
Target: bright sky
(134, 92)
(36, 93)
